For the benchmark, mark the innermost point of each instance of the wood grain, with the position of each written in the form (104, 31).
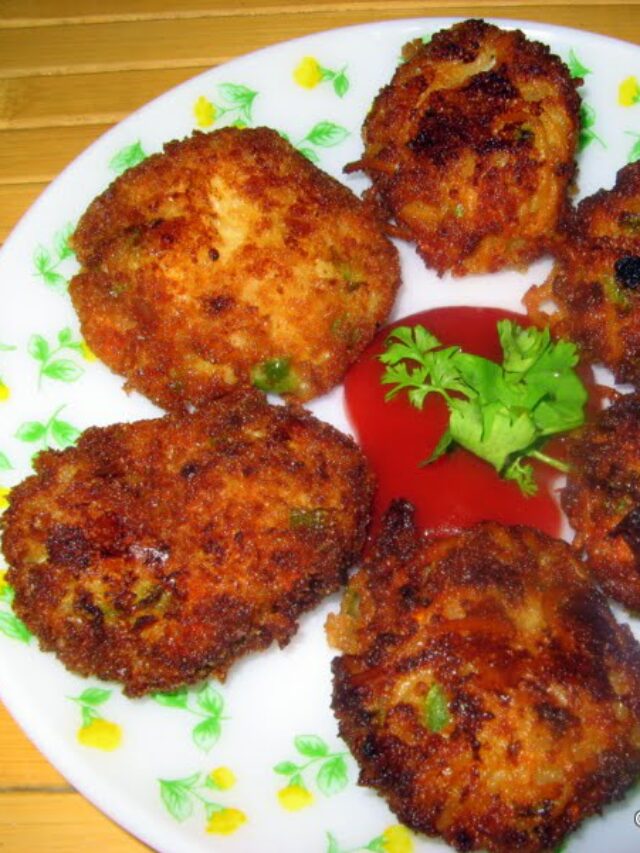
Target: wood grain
(75, 99)
(18, 13)
(90, 48)
(54, 822)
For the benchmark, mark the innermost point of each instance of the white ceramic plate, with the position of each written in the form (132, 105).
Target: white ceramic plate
(274, 710)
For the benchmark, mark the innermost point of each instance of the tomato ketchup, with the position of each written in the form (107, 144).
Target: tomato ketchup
(458, 489)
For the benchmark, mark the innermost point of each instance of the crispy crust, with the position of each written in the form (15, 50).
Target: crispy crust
(592, 307)
(471, 148)
(228, 250)
(157, 553)
(602, 498)
(541, 685)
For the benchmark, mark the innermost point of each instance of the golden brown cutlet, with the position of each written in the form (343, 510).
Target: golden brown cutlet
(595, 282)
(485, 688)
(157, 553)
(230, 260)
(471, 148)
(602, 498)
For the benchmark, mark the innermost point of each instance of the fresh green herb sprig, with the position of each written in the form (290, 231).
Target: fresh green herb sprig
(501, 413)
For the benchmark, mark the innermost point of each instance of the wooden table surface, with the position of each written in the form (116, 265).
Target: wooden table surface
(68, 71)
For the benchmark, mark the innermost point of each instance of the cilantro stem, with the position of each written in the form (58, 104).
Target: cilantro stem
(550, 460)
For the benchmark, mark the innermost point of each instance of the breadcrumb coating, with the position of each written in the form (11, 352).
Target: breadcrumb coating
(485, 688)
(229, 260)
(471, 148)
(157, 553)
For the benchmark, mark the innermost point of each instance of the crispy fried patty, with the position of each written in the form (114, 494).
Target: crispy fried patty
(485, 689)
(471, 147)
(156, 553)
(602, 498)
(595, 282)
(230, 260)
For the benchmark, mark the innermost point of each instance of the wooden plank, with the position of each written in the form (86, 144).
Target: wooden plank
(16, 13)
(77, 99)
(59, 823)
(91, 48)
(15, 200)
(22, 766)
(38, 155)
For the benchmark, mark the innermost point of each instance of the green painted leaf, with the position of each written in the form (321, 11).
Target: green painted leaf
(211, 808)
(176, 799)
(286, 768)
(55, 279)
(576, 68)
(7, 594)
(237, 94)
(210, 700)
(310, 154)
(127, 157)
(14, 628)
(327, 134)
(63, 369)
(311, 746)
(376, 845)
(634, 153)
(6, 348)
(94, 696)
(173, 699)
(89, 714)
(341, 84)
(332, 844)
(5, 464)
(61, 242)
(31, 431)
(205, 735)
(333, 776)
(42, 260)
(38, 348)
(326, 74)
(65, 337)
(64, 434)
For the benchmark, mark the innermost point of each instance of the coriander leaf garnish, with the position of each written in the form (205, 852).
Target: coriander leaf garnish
(502, 413)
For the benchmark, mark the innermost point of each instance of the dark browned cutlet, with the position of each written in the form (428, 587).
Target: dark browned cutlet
(485, 688)
(157, 553)
(471, 148)
(602, 498)
(595, 282)
(230, 260)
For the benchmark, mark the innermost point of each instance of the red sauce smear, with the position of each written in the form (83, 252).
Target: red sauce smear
(459, 489)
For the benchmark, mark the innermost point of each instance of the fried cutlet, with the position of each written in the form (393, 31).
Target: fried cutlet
(230, 260)
(595, 282)
(602, 498)
(485, 688)
(157, 553)
(471, 148)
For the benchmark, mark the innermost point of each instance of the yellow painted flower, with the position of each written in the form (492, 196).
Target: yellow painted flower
(87, 353)
(100, 734)
(307, 72)
(628, 92)
(294, 797)
(226, 821)
(397, 839)
(204, 111)
(5, 391)
(223, 778)
(4, 503)
(3, 583)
